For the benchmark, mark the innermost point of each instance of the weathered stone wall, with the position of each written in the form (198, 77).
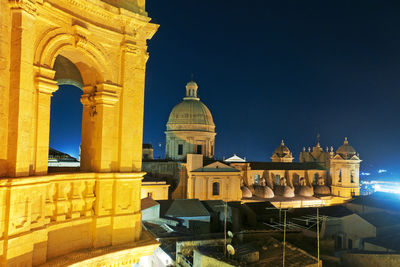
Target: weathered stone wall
(370, 260)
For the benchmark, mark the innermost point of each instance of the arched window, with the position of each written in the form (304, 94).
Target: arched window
(65, 134)
(215, 189)
(277, 179)
(315, 180)
(256, 179)
(296, 179)
(352, 176)
(340, 175)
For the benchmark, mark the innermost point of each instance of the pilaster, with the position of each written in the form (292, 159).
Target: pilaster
(21, 102)
(131, 107)
(45, 86)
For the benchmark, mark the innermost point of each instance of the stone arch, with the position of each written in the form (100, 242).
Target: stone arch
(88, 57)
(100, 94)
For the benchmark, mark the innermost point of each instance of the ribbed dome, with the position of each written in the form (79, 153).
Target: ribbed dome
(282, 150)
(346, 150)
(264, 192)
(191, 114)
(306, 191)
(322, 190)
(246, 193)
(288, 192)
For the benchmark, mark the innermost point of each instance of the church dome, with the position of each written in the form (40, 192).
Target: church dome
(306, 191)
(282, 150)
(288, 192)
(246, 193)
(346, 150)
(282, 154)
(191, 114)
(264, 192)
(322, 190)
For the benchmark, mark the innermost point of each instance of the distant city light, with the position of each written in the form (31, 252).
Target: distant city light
(386, 187)
(382, 171)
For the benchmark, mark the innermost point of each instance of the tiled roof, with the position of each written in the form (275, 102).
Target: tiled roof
(285, 166)
(148, 202)
(187, 208)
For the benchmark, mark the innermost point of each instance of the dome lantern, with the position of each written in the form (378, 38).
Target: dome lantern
(191, 90)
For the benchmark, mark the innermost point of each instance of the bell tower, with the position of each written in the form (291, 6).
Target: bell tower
(344, 171)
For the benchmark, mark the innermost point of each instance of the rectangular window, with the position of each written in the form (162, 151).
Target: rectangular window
(199, 147)
(215, 189)
(180, 149)
(350, 244)
(150, 194)
(256, 179)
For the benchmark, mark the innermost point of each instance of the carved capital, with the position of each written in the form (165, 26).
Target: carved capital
(46, 85)
(27, 5)
(107, 94)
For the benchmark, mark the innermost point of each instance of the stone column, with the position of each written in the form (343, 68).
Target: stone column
(45, 87)
(98, 128)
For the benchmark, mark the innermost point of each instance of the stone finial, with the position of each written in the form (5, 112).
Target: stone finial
(345, 141)
(304, 149)
(309, 149)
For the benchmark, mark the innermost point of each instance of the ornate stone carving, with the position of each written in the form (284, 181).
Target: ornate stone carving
(26, 5)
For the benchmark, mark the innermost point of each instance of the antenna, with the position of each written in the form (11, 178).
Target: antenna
(231, 250)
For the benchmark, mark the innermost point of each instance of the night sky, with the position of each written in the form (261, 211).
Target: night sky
(272, 70)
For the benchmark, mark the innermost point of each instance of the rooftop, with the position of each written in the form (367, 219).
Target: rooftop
(187, 208)
(285, 166)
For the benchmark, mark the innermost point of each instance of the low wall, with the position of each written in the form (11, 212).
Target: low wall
(45, 217)
(370, 260)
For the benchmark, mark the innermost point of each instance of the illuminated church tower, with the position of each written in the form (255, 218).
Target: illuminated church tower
(344, 171)
(190, 127)
(65, 217)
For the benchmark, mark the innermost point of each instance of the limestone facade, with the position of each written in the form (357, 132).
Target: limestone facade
(47, 216)
(338, 170)
(215, 181)
(190, 128)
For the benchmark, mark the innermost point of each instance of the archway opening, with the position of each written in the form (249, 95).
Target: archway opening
(65, 118)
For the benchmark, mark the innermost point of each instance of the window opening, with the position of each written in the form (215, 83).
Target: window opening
(215, 189)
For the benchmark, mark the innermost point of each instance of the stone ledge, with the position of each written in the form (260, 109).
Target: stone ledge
(120, 255)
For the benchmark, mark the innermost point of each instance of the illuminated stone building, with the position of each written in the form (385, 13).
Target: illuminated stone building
(320, 175)
(91, 217)
(190, 128)
(214, 181)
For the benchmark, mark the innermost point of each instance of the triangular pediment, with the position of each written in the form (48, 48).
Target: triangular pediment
(355, 158)
(337, 156)
(216, 165)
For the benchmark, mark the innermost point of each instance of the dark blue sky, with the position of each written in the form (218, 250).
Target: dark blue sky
(280, 69)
